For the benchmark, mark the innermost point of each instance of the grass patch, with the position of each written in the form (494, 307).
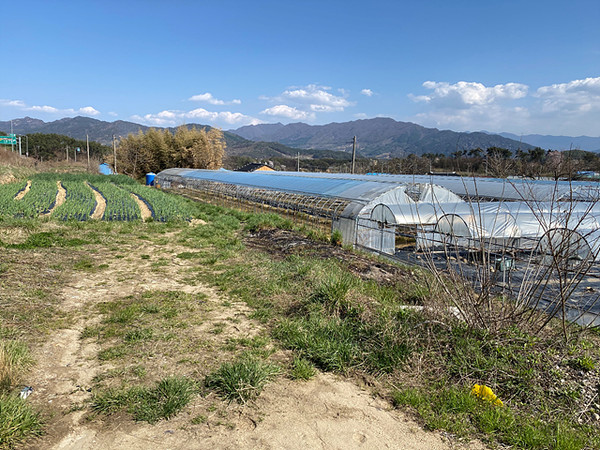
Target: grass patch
(457, 411)
(18, 421)
(302, 369)
(148, 404)
(257, 222)
(243, 379)
(14, 361)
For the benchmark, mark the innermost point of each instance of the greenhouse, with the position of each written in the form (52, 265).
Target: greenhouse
(374, 211)
(486, 189)
(340, 204)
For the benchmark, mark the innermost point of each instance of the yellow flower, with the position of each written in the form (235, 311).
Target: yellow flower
(485, 393)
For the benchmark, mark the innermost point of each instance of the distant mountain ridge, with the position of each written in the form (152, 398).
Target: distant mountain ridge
(379, 137)
(591, 144)
(102, 131)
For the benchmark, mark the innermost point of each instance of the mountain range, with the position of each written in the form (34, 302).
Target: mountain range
(103, 132)
(588, 143)
(379, 137)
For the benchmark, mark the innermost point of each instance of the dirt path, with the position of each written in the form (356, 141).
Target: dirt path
(323, 413)
(100, 204)
(22, 194)
(61, 196)
(326, 412)
(144, 210)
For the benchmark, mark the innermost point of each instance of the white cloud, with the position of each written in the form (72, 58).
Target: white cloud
(318, 98)
(17, 103)
(571, 108)
(46, 109)
(465, 93)
(89, 111)
(173, 117)
(367, 92)
(302, 103)
(208, 98)
(578, 96)
(289, 112)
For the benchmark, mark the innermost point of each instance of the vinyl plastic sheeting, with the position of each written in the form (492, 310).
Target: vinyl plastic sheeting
(363, 194)
(478, 187)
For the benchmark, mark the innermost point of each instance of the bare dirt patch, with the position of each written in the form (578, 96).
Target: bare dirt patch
(7, 178)
(282, 243)
(61, 196)
(100, 204)
(326, 413)
(144, 210)
(24, 192)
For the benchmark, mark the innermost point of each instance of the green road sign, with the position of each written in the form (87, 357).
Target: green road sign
(8, 140)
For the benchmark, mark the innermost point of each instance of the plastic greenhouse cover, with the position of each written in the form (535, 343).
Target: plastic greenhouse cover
(363, 191)
(499, 188)
(366, 193)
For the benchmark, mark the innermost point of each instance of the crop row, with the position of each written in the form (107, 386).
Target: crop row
(79, 204)
(119, 203)
(164, 207)
(39, 200)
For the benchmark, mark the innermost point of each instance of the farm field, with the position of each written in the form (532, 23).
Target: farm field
(79, 196)
(202, 327)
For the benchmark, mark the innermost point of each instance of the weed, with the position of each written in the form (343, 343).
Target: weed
(142, 334)
(243, 379)
(146, 404)
(110, 353)
(14, 360)
(302, 369)
(85, 263)
(199, 419)
(218, 328)
(337, 238)
(257, 222)
(17, 421)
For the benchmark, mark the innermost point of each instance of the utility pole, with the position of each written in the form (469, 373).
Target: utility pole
(87, 143)
(353, 154)
(115, 154)
(298, 165)
(67, 150)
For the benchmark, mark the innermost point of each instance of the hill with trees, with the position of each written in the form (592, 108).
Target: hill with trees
(103, 132)
(379, 138)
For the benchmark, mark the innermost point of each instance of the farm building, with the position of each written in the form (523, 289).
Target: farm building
(371, 211)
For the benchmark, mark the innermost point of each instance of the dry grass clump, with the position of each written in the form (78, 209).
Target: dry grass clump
(14, 360)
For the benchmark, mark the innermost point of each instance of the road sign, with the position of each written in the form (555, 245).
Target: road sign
(8, 140)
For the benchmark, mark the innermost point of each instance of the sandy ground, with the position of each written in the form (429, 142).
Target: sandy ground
(100, 204)
(144, 210)
(326, 412)
(61, 196)
(22, 194)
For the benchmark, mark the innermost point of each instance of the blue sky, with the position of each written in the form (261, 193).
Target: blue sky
(518, 66)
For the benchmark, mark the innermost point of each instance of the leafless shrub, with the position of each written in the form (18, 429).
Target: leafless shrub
(493, 281)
